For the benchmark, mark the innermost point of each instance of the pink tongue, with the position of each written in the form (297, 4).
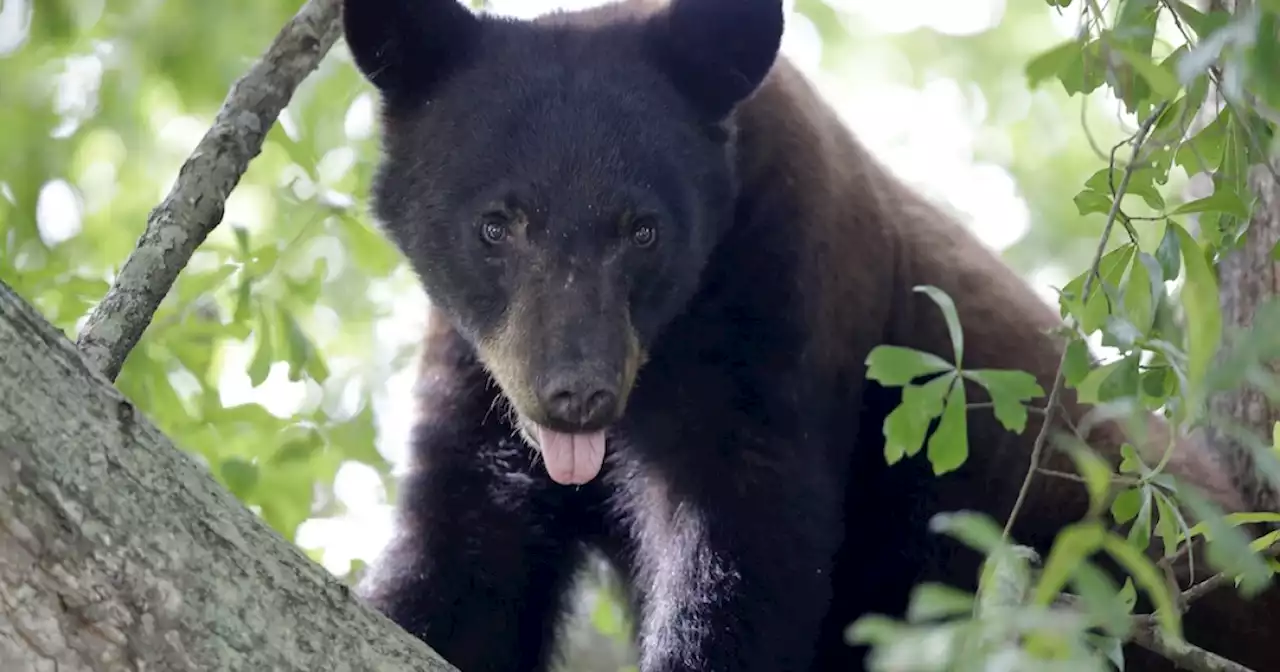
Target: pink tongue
(571, 458)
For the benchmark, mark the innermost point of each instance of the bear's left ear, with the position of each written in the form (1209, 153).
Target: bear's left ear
(404, 47)
(718, 51)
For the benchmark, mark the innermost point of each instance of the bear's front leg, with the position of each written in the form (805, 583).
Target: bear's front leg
(735, 557)
(486, 543)
(480, 566)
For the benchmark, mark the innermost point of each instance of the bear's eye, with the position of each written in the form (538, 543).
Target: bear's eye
(493, 228)
(644, 232)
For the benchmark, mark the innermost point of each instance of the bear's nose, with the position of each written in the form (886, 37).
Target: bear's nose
(579, 401)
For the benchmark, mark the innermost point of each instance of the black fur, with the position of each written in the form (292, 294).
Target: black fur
(744, 492)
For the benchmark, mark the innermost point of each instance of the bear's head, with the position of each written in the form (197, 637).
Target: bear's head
(559, 184)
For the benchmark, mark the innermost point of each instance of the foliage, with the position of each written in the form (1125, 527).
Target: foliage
(1151, 298)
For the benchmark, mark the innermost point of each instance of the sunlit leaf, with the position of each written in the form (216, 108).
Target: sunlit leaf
(1147, 576)
(930, 601)
(1073, 544)
(948, 308)
(949, 446)
(1009, 391)
(1200, 300)
(893, 365)
(1096, 474)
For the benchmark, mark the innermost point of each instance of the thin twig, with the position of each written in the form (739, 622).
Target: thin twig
(1116, 479)
(195, 204)
(1052, 406)
(987, 405)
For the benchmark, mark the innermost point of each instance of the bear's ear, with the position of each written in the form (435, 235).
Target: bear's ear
(405, 46)
(719, 51)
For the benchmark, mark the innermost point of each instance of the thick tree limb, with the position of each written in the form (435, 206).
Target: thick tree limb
(195, 204)
(1185, 655)
(1248, 278)
(119, 552)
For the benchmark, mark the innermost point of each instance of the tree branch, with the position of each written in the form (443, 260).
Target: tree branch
(195, 204)
(118, 551)
(1188, 656)
(1051, 406)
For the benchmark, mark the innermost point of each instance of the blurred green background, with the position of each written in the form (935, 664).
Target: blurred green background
(282, 357)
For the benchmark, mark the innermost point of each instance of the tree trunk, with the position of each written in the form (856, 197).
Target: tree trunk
(1247, 278)
(119, 552)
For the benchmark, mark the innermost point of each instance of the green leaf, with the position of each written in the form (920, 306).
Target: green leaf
(1163, 83)
(1203, 313)
(1167, 253)
(1146, 575)
(244, 301)
(1093, 314)
(948, 308)
(1155, 383)
(1085, 72)
(1222, 200)
(1102, 599)
(1142, 182)
(1125, 506)
(1050, 63)
(263, 353)
(1122, 381)
(892, 365)
(1119, 333)
(873, 630)
(1235, 520)
(194, 285)
(1266, 53)
(1202, 23)
(1111, 647)
(949, 446)
(1140, 532)
(1096, 474)
(298, 449)
(1005, 579)
(242, 240)
(239, 476)
(974, 529)
(907, 425)
(1131, 462)
(1089, 201)
(1166, 524)
(933, 601)
(370, 249)
(1203, 151)
(1228, 548)
(1074, 544)
(1140, 292)
(1089, 389)
(1077, 364)
(1009, 391)
(301, 354)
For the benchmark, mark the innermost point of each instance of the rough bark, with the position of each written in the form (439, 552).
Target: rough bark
(119, 552)
(1247, 278)
(195, 204)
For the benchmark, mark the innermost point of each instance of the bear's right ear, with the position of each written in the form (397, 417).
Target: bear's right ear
(405, 46)
(718, 51)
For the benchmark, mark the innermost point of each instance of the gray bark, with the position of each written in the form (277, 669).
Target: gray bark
(1247, 278)
(195, 204)
(119, 552)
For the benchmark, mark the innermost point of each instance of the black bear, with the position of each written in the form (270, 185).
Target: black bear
(657, 263)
